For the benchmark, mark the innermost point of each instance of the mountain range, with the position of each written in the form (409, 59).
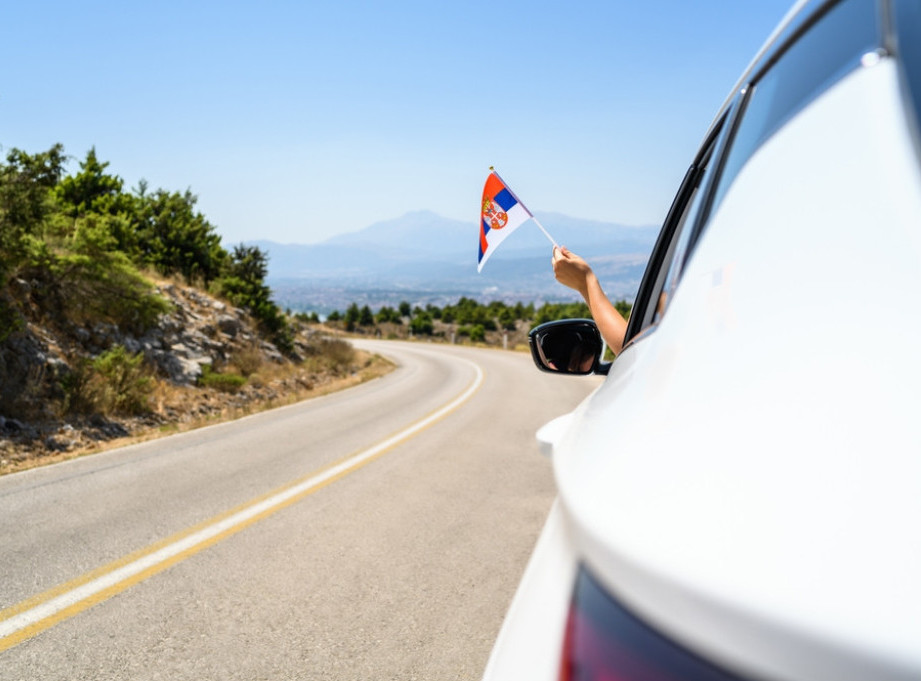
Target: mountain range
(425, 258)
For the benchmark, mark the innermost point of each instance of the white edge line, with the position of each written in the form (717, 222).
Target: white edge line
(50, 608)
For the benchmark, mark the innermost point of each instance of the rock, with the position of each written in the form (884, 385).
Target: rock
(196, 338)
(181, 369)
(17, 428)
(229, 325)
(22, 360)
(271, 352)
(37, 364)
(58, 445)
(107, 430)
(180, 349)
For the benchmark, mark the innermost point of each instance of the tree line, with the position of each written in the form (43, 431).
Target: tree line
(79, 243)
(470, 317)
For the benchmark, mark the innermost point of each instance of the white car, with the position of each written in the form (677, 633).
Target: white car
(741, 497)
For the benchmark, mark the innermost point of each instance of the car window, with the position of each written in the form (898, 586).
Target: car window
(907, 45)
(820, 53)
(671, 246)
(827, 51)
(676, 257)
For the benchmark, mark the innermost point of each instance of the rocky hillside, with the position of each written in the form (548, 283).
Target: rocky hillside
(67, 388)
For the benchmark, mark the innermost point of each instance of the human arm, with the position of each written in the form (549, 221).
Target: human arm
(572, 271)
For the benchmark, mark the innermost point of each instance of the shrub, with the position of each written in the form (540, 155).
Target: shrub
(338, 355)
(243, 284)
(11, 320)
(126, 382)
(94, 281)
(476, 332)
(422, 325)
(176, 239)
(116, 382)
(388, 314)
(228, 383)
(247, 361)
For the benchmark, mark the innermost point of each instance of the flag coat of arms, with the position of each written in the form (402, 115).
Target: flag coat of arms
(501, 214)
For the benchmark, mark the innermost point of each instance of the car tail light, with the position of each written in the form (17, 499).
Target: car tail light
(605, 642)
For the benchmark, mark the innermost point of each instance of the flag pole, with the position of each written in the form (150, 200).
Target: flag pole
(546, 233)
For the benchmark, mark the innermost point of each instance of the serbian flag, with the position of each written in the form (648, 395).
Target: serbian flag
(500, 214)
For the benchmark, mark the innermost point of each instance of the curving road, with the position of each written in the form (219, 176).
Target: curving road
(375, 533)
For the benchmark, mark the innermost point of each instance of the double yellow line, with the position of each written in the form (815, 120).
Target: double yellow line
(32, 616)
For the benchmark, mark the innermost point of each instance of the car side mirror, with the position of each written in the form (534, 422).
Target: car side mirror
(568, 346)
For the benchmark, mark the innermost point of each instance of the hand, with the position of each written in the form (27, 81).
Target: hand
(571, 270)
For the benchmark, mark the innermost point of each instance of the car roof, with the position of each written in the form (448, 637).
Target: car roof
(797, 18)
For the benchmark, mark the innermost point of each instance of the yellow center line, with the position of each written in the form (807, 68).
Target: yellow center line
(32, 616)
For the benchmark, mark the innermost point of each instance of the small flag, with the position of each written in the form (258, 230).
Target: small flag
(501, 213)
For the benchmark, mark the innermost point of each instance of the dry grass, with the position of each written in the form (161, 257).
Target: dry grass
(180, 409)
(247, 361)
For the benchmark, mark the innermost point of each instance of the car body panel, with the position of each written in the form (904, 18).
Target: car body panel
(748, 477)
(733, 424)
(528, 645)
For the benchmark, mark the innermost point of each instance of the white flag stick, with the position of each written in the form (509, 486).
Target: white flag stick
(546, 233)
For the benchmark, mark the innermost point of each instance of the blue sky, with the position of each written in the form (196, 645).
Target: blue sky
(295, 121)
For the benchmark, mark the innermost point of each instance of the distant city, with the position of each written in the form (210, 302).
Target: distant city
(424, 258)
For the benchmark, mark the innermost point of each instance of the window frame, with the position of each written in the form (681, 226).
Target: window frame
(903, 39)
(719, 144)
(693, 188)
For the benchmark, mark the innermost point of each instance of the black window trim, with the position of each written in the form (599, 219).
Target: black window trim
(810, 14)
(638, 323)
(900, 31)
(806, 21)
(708, 190)
(638, 315)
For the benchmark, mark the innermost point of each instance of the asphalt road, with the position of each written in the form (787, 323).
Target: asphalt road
(238, 552)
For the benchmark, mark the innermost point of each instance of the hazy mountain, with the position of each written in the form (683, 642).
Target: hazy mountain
(424, 257)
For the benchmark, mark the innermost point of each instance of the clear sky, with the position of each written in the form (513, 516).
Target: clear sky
(295, 121)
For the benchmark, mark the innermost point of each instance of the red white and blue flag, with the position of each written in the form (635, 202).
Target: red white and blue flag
(501, 213)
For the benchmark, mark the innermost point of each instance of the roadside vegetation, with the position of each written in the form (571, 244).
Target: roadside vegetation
(87, 242)
(122, 316)
(467, 321)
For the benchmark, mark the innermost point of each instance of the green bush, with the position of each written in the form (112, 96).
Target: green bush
(422, 325)
(228, 383)
(388, 314)
(476, 332)
(176, 239)
(126, 382)
(116, 382)
(11, 320)
(26, 183)
(243, 284)
(95, 281)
